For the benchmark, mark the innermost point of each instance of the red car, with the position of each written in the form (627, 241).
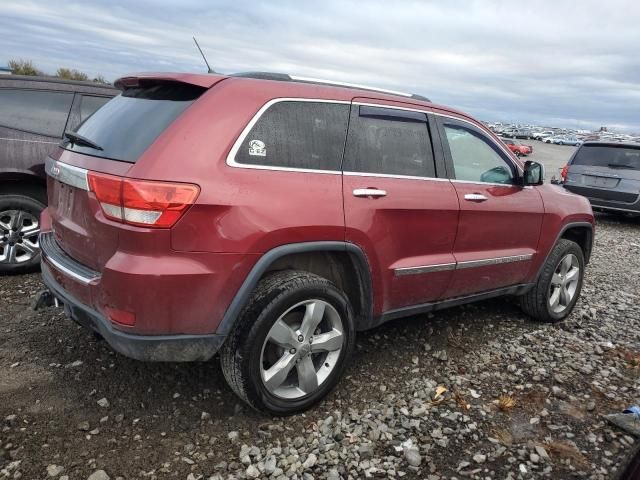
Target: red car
(269, 218)
(520, 149)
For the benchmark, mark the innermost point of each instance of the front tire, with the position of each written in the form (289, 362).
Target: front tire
(557, 290)
(290, 344)
(19, 229)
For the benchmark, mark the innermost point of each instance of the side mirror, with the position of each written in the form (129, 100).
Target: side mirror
(533, 173)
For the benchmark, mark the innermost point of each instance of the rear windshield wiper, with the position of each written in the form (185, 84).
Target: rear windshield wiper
(80, 140)
(622, 165)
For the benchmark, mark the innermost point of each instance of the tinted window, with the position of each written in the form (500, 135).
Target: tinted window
(297, 135)
(89, 104)
(475, 158)
(608, 156)
(129, 123)
(388, 141)
(41, 112)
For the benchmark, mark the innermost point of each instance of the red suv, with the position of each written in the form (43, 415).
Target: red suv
(269, 218)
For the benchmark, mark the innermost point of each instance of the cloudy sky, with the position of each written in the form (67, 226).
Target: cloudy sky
(560, 62)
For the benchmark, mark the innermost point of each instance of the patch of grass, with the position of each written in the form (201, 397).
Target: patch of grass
(506, 403)
(566, 450)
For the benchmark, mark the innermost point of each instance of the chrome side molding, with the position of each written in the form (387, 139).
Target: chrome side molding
(441, 267)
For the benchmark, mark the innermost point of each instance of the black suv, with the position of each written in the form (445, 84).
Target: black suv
(34, 114)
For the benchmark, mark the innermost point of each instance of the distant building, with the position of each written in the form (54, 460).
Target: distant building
(5, 71)
(603, 129)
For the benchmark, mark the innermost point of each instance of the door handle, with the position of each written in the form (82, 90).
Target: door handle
(475, 197)
(369, 192)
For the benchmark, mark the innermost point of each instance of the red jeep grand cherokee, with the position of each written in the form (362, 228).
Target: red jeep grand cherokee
(271, 217)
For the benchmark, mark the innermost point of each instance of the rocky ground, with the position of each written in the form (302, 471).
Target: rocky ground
(474, 392)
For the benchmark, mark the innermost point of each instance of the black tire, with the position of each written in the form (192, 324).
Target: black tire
(241, 355)
(536, 301)
(31, 204)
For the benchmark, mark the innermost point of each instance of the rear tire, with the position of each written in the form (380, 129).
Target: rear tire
(19, 229)
(270, 359)
(557, 290)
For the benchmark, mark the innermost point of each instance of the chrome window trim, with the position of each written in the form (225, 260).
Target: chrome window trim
(389, 175)
(441, 267)
(231, 157)
(68, 174)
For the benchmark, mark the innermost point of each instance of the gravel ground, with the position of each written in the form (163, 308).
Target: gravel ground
(522, 399)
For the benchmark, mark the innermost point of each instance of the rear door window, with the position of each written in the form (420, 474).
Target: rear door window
(89, 104)
(35, 111)
(608, 156)
(297, 134)
(127, 125)
(389, 141)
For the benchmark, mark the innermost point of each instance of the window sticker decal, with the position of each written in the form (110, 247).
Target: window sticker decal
(257, 148)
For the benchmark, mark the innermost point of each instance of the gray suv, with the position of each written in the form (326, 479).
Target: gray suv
(608, 174)
(34, 114)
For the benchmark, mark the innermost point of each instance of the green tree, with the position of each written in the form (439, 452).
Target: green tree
(23, 67)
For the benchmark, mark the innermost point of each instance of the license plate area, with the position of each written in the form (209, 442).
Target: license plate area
(65, 200)
(601, 182)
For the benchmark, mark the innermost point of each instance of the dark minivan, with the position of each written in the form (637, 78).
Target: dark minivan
(34, 114)
(608, 174)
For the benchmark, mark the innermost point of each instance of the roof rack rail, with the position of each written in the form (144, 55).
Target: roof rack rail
(295, 78)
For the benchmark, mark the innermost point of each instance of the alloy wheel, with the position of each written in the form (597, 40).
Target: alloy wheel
(18, 236)
(302, 348)
(564, 283)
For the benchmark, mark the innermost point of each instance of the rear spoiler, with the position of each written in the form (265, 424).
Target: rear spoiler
(200, 80)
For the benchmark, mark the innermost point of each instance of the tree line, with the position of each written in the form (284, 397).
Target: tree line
(26, 67)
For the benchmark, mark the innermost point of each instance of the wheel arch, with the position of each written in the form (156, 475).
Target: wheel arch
(22, 183)
(579, 232)
(343, 263)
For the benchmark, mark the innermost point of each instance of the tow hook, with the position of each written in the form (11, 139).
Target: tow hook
(45, 299)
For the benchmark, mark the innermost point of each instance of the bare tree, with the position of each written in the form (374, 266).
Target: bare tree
(71, 74)
(26, 67)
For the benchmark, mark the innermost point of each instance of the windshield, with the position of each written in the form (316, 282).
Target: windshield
(128, 124)
(608, 156)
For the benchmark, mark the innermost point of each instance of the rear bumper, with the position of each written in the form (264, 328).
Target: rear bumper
(606, 199)
(156, 348)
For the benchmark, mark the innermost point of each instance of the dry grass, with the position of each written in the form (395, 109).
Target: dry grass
(532, 401)
(503, 436)
(461, 400)
(566, 451)
(506, 403)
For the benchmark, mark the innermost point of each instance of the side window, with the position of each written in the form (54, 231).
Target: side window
(389, 141)
(297, 135)
(89, 104)
(35, 111)
(475, 158)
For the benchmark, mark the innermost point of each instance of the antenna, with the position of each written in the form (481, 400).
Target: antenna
(203, 57)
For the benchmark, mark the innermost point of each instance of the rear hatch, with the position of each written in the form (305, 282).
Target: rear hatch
(606, 172)
(85, 174)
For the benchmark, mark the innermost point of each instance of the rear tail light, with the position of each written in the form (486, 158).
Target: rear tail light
(563, 173)
(142, 202)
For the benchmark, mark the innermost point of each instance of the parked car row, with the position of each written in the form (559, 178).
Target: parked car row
(559, 136)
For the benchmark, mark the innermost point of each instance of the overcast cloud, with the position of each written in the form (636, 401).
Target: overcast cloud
(559, 63)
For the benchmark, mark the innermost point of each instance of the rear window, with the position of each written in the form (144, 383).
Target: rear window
(128, 124)
(35, 111)
(89, 104)
(608, 156)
